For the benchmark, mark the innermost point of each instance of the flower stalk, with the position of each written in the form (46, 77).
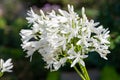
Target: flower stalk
(84, 71)
(83, 74)
(79, 73)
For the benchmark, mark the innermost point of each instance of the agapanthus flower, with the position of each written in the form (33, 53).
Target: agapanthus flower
(63, 36)
(6, 66)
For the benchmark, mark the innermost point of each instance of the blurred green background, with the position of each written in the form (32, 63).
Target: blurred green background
(12, 20)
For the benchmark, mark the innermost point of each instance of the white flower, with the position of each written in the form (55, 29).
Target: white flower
(32, 16)
(31, 47)
(26, 35)
(6, 66)
(59, 63)
(76, 57)
(64, 36)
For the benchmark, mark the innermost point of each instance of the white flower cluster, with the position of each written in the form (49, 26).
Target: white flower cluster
(63, 37)
(6, 66)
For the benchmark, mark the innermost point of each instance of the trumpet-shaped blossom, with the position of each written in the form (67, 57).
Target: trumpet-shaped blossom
(63, 37)
(6, 66)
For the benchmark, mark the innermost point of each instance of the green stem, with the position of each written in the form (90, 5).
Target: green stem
(84, 71)
(79, 73)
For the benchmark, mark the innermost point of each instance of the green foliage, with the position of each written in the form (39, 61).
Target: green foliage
(1, 74)
(53, 76)
(109, 73)
(109, 16)
(2, 23)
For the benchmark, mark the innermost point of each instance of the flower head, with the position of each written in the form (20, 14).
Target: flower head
(6, 66)
(64, 36)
